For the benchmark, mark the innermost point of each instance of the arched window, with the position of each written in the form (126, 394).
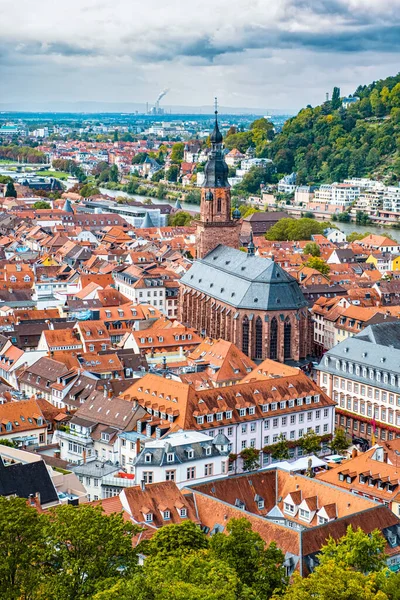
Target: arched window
(259, 338)
(273, 340)
(245, 335)
(219, 205)
(287, 338)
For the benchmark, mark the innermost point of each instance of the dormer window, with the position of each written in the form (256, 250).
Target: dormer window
(147, 458)
(220, 416)
(304, 514)
(149, 517)
(210, 418)
(242, 412)
(208, 450)
(264, 407)
(260, 504)
(288, 508)
(322, 520)
(273, 406)
(252, 410)
(105, 437)
(166, 515)
(9, 427)
(170, 457)
(200, 420)
(183, 513)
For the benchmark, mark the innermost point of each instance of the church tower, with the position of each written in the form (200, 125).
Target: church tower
(216, 225)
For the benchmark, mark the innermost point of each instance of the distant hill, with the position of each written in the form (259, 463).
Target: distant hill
(330, 143)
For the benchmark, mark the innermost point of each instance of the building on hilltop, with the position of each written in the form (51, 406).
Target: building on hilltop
(216, 225)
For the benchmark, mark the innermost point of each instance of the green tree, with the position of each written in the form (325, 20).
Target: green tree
(313, 249)
(295, 229)
(161, 191)
(355, 236)
(193, 197)
(89, 189)
(10, 190)
(21, 548)
(198, 577)
(6, 179)
(252, 181)
(172, 173)
(114, 174)
(362, 218)
(258, 568)
(181, 219)
(250, 457)
(175, 540)
(319, 265)
(310, 443)
(339, 443)
(336, 102)
(41, 205)
(333, 582)
(131, 187)
(85, 547)
(158, 175)
(280, 450)
(177, 152)
(356, 550)
(139, 158)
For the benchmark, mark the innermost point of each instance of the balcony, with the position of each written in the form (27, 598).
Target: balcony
(117, 482)
(65, 433)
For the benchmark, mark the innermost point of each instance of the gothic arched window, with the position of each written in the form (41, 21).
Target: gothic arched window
(259, 338)
(287, 339)
(245, 335)
(273, 340)
(219, 205)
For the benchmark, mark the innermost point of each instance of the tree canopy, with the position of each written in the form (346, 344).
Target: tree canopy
(329, 143)
(318, 264)
(294, 229)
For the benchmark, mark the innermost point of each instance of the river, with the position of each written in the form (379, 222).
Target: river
(118, 193)
(345, 227)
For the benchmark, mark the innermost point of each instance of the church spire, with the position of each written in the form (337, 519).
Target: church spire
(216, 169)
(216, 136)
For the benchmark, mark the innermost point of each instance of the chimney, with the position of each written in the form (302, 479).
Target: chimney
(38, 499)
(137, 447)
(142, 485)
(354, 453)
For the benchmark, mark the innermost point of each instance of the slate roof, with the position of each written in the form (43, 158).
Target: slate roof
(159, 449)
(244, 281)
(25, 479)
(376, 347)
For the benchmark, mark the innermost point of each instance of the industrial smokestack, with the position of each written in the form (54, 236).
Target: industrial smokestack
(162, 94)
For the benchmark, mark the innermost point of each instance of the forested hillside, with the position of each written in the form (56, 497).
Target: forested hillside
(329, 143)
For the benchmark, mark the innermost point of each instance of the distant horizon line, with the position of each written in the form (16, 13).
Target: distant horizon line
(93, 107)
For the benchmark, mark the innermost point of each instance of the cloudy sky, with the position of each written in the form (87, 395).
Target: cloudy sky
(250, 53)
